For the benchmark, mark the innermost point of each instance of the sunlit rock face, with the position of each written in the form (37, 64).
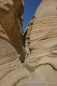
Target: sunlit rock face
(41, 43)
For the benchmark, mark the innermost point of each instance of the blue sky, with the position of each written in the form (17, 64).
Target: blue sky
(29, 10)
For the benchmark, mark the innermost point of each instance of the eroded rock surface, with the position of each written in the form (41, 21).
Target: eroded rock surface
(11, 35)
(11, 69)
(11, 21)
(41, 43)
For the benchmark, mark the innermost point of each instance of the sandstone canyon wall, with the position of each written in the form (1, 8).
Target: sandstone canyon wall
(11, 22)
(39, 39)
(41, 42)
(11, 35)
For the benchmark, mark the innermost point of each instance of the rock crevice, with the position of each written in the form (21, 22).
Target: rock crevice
(37, 45)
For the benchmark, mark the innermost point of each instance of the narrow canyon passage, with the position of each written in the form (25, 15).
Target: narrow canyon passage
(28, 58)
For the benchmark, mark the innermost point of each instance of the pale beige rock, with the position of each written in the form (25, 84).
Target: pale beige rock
(40, 41)
(11, 69)
(43, 43)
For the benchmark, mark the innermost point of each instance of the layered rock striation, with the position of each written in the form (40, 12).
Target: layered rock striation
(11, 21)
(41, 42)
(11, 46)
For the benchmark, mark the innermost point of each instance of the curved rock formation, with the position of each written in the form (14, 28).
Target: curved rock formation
(11, 21)
(11, 70)
(41, 43)
(11, 35)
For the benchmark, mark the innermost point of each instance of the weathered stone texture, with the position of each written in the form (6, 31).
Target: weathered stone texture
(11, 69)
(11, 21)
(42, 42)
